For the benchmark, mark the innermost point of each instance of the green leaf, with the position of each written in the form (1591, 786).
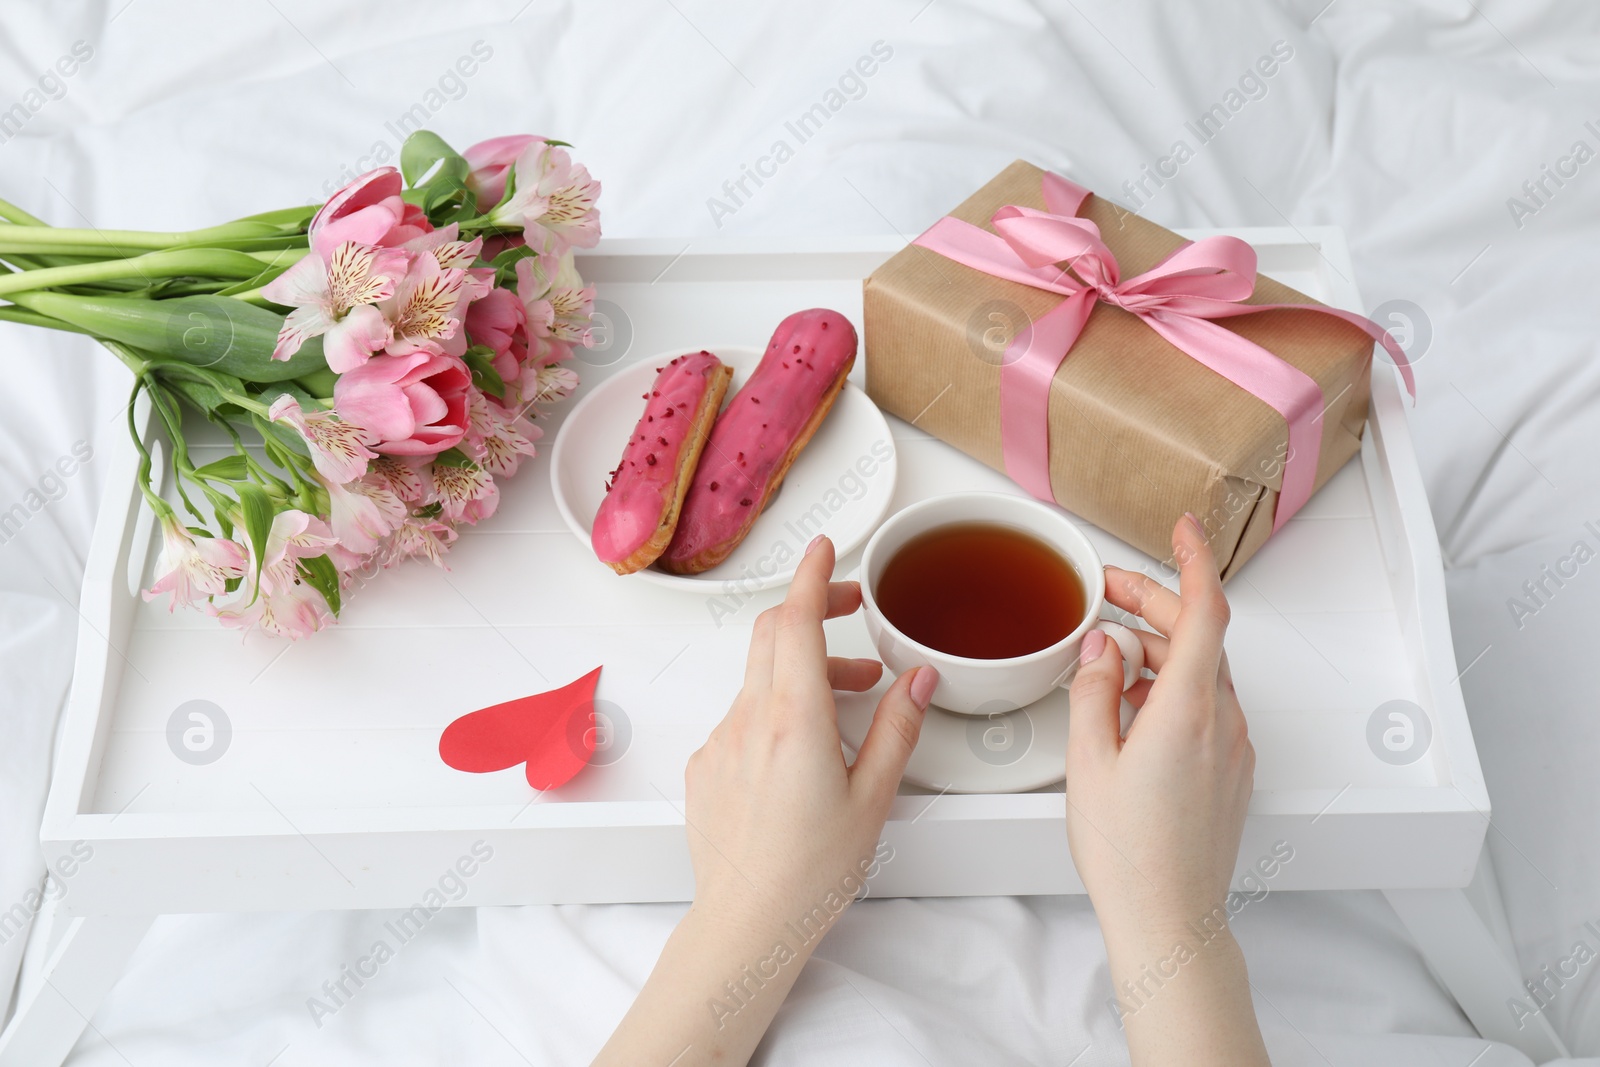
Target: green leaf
(421, 152)
(480, 360)
(231, 468)
(323, 576)
(426, 155)
(454, 457)
(447, 185)
(218, 332)
(505, 265)
(256, 507)
(557, 144)
(289, 217)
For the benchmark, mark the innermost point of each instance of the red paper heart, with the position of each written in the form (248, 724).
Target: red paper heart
(552, 732)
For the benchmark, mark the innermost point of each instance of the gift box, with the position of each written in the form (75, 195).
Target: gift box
(1113, 367)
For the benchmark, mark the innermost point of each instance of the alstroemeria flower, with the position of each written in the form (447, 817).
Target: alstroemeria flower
(553, 202)
(335, 297)
(424, 312)
(559, 305)
(421, 537)
(338, 448)
(450, 251)
(401, 476)
(505, 439)
(415, 404)
(190, 568)
(543, 385)
(363, 512)
(490, 160)
(280, 602)
(464, 494)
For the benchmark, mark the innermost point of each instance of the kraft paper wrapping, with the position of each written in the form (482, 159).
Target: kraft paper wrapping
(1139, 431)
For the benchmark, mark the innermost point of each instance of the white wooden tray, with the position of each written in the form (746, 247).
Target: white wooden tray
(331, 794)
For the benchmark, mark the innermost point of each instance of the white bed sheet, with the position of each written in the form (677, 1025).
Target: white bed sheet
(1409, 125)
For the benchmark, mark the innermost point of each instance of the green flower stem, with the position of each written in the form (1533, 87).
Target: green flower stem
(12, 213)
(172, 418)
(130, 360)
(162, 509)
(170, 264)
(250, 404)
(12, 313)
(121, 243)
(251, 463)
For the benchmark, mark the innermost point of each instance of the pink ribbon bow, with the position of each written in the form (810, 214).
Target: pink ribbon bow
(1201, 281)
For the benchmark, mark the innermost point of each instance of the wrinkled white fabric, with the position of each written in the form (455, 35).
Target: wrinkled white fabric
(1411, 126)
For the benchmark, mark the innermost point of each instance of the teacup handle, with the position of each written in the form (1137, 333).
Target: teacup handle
(1127, 642)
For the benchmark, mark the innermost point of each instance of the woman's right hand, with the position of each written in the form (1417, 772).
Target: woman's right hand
(1154, 820)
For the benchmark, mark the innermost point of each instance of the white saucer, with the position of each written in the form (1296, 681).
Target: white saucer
(1009, 751)
(827, 490)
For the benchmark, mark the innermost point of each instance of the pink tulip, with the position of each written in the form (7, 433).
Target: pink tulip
(494, 245)
(368, 211)
(415, 404)
(490, 160)
(500, 320)
(379, 186)
(363, 211)
(413, 224)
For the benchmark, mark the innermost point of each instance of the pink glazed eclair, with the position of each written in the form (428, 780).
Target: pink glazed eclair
(757, 438)
(645, 495)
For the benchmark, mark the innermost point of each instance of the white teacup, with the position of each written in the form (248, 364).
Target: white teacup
(986, 686)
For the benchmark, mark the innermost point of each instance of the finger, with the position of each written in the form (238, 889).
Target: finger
(758, 662)
(843, 599)
(1203, 617)
(1144, 597)
(1156, 649)
(1139, 692)
(853, 675)
(896, 725)
(1094, 726)
(800, 653)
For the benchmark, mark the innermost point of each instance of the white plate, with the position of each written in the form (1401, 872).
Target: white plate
(826, 491)
(1009, 751)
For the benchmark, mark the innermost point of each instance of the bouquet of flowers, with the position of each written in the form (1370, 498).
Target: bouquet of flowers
(377, 363)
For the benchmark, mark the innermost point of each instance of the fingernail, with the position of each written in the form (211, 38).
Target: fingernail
(1094, 643)
(1201, 530)
(922, 686)
(815, 541)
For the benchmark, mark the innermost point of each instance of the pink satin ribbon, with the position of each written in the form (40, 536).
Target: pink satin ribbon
(1203, 280)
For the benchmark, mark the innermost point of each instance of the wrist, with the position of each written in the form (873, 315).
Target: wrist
(746, 925)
